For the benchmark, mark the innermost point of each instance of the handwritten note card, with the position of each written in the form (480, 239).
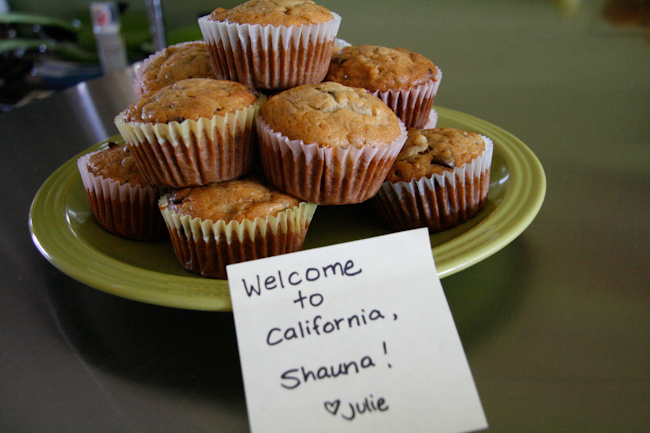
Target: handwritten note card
(355, 337)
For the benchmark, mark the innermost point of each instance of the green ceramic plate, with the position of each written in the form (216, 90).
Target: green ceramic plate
(63, 230)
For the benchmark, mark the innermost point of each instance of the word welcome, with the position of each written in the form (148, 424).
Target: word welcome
(295, 278)
(295, 377)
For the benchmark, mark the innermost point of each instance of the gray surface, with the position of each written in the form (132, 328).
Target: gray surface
(556, 326)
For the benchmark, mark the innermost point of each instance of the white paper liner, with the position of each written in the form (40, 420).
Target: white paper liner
(206, 247)
(341, 43)
(440, 201)
(137, 217)
(140, 67)
(322, 174)
(193, 152)
(433, 119)
(412, 105)
(270, 57)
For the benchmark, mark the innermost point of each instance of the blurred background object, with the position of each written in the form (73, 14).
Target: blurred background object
(628, 13)
(568, 7)
(43, 52)
(108, 37)
(156, 24)
(46, 46)
(39, 53)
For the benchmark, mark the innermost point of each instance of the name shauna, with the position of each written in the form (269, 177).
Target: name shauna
(294, 377)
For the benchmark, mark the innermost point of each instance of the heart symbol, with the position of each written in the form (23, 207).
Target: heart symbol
(332, 406)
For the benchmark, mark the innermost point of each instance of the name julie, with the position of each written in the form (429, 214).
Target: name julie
(350, 412)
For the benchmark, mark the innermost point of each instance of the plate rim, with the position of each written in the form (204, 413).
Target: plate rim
(526, 176)
(529, 177)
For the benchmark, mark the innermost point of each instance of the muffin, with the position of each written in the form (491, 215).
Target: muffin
(215, 225)
(440, 179)
(195, 132)
(328, 143)
(172, 64)
(121, 201)
(271, 45)
(406, 81)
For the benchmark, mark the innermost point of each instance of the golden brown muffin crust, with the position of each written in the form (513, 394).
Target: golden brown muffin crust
(176, 63)
(434, 151)
(116, 163)
(380, 68)
(234, 200)
(191, 98)
(274, 12)
(331, 115)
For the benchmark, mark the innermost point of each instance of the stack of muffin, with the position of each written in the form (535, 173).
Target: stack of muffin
(239, 137)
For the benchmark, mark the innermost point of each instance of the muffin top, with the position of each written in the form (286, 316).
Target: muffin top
(274, 12)
(116, 163)
(380, 68)
(191, 98)
(233, 200)
(175, 63)
(331, 115)
(434, 151)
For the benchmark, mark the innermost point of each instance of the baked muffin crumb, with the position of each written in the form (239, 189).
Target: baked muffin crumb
(274, 12)
(378, 68)
(116, 163)
(434, 151)
(234, 200)
(331, 115)
(191, 98)
(175, 63)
